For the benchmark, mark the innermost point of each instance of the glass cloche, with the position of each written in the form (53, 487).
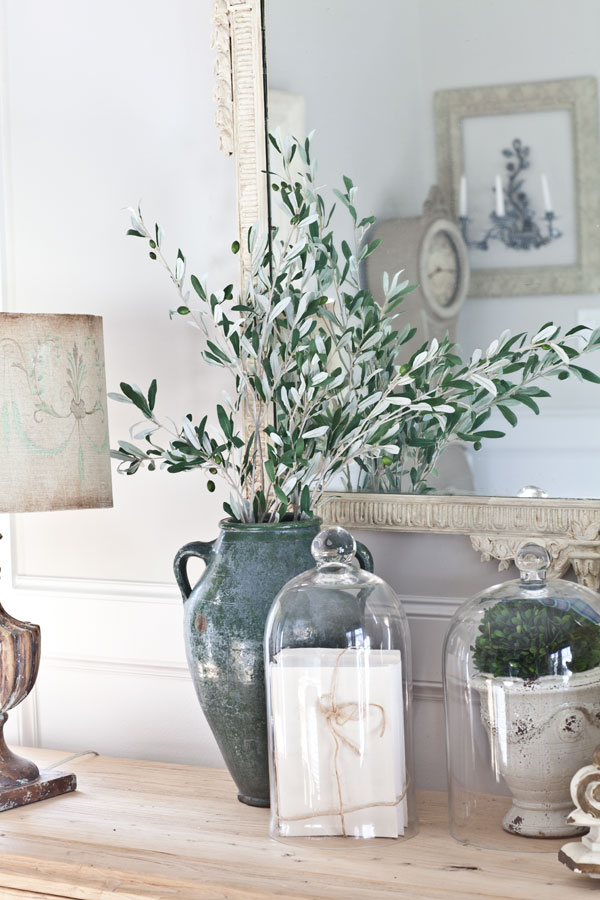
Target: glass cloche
(522, 692)
(337, 661)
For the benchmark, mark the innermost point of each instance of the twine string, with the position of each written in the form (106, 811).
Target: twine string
(337, 715)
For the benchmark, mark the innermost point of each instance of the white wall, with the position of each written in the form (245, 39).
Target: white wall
(104, 104)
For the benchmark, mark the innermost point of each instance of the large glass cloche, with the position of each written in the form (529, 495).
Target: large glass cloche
(337, 658)
(522, 692)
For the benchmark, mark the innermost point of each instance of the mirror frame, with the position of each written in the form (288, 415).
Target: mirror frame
(497, 526)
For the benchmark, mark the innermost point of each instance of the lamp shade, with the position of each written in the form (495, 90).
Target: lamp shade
(54, 446)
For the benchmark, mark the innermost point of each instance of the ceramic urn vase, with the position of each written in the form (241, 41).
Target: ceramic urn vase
(224, 622)
(541, 732)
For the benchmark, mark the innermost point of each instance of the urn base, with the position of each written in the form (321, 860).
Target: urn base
(259, 801)
(540, 821)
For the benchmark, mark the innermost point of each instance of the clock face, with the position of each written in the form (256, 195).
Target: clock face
(442, 269)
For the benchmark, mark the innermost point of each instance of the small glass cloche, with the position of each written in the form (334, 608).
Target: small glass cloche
(337, 661)
(522, 691)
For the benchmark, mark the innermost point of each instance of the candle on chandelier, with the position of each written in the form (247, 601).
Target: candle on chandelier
(499, 198)
(546, 194)
(462, 200)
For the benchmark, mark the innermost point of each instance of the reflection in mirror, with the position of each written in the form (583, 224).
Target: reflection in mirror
(371, 81)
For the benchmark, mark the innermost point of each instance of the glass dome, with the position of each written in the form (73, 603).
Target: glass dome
(522, 692)
(337, 661)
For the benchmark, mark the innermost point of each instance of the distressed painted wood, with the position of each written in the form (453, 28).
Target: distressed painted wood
(240, 117)
(497, 526)
(151, 831)
(20, 780)
(20, 652)
(49, 784)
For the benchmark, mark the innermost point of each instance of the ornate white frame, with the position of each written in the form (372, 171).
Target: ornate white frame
(497, 526)
(569, 529)
(579, 96)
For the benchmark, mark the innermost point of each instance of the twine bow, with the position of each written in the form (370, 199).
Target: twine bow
(339, 714)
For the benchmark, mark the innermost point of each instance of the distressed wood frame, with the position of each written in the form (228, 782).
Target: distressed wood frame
(569, 529)
(240, 116)
(579, 96)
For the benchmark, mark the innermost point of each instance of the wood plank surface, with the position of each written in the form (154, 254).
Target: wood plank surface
(150, 831)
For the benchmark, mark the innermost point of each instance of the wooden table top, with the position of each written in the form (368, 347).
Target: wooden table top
(150, 831)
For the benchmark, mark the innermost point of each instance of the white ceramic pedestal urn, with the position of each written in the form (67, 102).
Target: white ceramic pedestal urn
(522, 696)
(541, 731)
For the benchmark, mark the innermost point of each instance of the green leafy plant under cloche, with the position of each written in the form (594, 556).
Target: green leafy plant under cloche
(528, 639)
(319, 386)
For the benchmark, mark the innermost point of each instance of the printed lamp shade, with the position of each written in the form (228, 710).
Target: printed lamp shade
(54, 447)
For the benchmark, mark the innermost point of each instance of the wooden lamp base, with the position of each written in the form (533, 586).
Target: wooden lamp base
(21, 782)
(49, 784)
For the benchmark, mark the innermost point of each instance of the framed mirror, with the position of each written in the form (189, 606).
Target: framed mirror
(496, 106)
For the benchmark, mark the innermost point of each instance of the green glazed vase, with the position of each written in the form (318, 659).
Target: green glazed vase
(224, 622)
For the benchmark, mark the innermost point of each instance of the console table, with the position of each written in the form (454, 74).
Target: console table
(138, 830)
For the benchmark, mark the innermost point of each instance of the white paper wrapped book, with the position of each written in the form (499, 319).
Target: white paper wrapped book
(338, 733)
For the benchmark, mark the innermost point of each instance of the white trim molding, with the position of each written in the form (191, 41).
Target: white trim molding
(118, 666)
(26, 718)
(98, 589)
(497, 526)
(428, 690)
(146, 644)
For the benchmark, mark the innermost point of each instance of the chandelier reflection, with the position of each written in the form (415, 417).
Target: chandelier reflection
(514, 221)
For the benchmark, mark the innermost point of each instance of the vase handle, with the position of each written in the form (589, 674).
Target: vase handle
(203, 549)
(364, 557)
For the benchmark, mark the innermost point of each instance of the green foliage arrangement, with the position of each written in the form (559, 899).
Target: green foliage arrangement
(315, 363)
(527, 639)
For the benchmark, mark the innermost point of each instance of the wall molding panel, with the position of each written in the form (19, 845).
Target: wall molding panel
(99, 589)
(108, 643)
(31, 587)
(135, 668)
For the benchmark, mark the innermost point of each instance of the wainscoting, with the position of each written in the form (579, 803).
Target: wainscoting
(114, 678)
